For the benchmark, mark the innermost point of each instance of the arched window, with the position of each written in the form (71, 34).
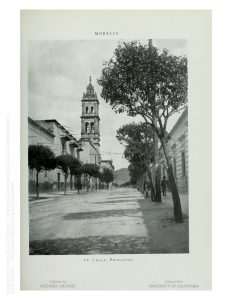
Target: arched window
(87, 127)
(91, 109)
(92, 127)
(86, 109)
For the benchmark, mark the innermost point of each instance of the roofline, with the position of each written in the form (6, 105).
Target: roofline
(55, 121)
(177, 123)
(184, 113)
(41, 127)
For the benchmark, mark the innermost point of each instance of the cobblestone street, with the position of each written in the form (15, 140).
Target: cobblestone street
(115, 221)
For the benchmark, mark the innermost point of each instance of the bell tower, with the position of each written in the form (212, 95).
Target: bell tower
(90, 116)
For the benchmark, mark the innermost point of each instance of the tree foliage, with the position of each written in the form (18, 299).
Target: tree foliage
(107, 175)
(69, 165)
(139, 150)
(90, 169)
(66, 163)
(41, 158)
(75, 167)
(136, 171)
(139, 142)
(142, 80)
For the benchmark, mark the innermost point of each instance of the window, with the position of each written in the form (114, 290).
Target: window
(46, 174)
(87, 127)
(183, 163)
(86, 109)
(63, 143)
(71, 149)
(91, 109)
(78, 154)
(92, 127)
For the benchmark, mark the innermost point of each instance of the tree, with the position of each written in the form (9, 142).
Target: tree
(107, 176)
(40, 158)
(75, 170)
(65, 162)
(142, 80)
(139, 140)
(137, 170)
(88, 171)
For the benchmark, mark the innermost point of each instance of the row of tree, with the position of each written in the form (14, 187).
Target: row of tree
(142, 80)
(41, 158)
(139, 151)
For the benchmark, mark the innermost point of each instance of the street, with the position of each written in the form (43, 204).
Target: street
(114, 221)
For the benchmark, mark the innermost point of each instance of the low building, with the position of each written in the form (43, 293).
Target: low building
(52, 134)
(38, 135)
(107, 164)
(178, 152)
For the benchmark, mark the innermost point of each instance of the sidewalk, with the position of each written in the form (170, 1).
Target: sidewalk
(184, 199)
(166, 236)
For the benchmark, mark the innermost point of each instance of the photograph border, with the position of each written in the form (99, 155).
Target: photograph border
(163, 272)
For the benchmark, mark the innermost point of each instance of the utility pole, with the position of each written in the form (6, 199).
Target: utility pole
(157, 196)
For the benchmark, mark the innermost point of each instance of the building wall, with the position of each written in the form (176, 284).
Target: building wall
(49, 180)
(178, 152)
(37, 136)
(89, 154)
(107, 164)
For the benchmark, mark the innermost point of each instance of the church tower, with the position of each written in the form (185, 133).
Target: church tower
(90, 116)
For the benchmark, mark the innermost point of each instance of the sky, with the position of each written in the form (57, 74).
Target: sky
(58, 73)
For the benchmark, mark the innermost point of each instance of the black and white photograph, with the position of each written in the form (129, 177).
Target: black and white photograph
(108, 163)
(115, 150)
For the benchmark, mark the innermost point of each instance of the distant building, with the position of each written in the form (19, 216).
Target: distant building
(52, 134)
(178, 152)
(107, 164)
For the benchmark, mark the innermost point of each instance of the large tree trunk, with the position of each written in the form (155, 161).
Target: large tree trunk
(37, 185)
(157, 196)
(153, 195)
(96, 184)
(174, 190)
(87, 183)
(175, 196)
(71, 182)
(65, 183)
(157, 185)
(140, 184)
